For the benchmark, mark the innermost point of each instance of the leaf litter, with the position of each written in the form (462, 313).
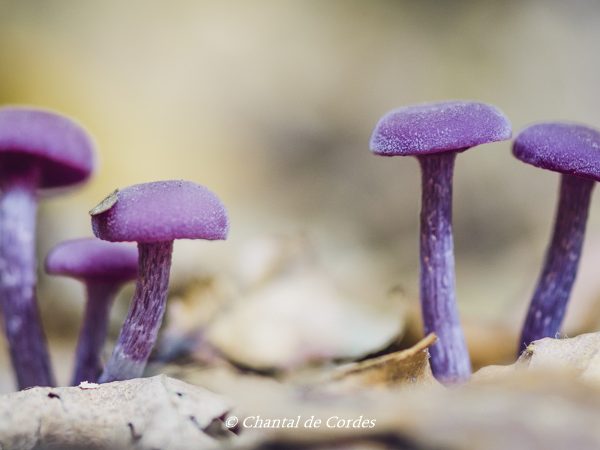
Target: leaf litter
(375, 394)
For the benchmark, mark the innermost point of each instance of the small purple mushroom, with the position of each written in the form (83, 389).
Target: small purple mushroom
(574, 151)
(153, 215)
(38, 150)
(103, 267)
(435, 133)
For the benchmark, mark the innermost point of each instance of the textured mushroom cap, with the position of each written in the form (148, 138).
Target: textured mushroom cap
(161, 211)
(561, 147)
(60, 147)
(91, 259)
(438, 127)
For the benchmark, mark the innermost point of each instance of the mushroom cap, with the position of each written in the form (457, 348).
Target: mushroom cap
(60, 147)
(438, 127)
(562, 147)
(161, 211)
(91, 259)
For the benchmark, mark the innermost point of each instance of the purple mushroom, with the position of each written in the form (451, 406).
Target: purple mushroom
(103, 267)
(38, 150)
(153, 215)
(435, 133)
(574, 151)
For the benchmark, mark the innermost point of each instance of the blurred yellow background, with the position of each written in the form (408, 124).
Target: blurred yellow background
(271, 103)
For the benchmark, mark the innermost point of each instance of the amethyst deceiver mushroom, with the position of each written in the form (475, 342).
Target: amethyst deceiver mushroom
(435, 133)
(38, 150)
(153, 215)
(574, 151)
(103, 267)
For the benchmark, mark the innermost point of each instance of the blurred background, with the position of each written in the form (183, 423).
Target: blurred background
(271, 104)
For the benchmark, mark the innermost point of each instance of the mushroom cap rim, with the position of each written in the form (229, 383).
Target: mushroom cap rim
(161, 211)
(556, 158)
(90, 259)
(420, 141)
(60, 170)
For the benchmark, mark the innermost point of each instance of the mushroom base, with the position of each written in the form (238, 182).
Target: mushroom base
(140, 330)
(450, 362)
(22, 323)
(549, 302)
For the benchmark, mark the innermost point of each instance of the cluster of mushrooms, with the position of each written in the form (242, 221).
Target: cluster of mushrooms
(435, 133)
(40, 151)
(44, 151)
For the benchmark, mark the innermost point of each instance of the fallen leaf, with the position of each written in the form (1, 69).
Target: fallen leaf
(157, 412)
(402, 368)
(579, 356)
(534, 404)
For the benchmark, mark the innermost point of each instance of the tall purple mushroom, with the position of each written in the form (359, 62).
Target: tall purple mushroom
(435, 133)
(38, 150)
(574, 151)
(103, 267)
(153, 215)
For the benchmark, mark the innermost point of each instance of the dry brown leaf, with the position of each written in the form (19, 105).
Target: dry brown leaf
(157, 412)
(403, 368)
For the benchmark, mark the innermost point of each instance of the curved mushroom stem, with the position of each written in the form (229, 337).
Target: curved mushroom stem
(88, 364)
(143, 321)
(549, 301)
(22, 323)
(450, 361)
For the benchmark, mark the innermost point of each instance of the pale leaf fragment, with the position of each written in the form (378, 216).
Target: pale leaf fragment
(577, 357)
(157, 412)
(107, 203)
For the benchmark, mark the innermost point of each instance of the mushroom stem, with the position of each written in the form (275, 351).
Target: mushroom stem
(144, 318)
(88, 364)
(549, 301)
(22, 323)
(450, 361)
